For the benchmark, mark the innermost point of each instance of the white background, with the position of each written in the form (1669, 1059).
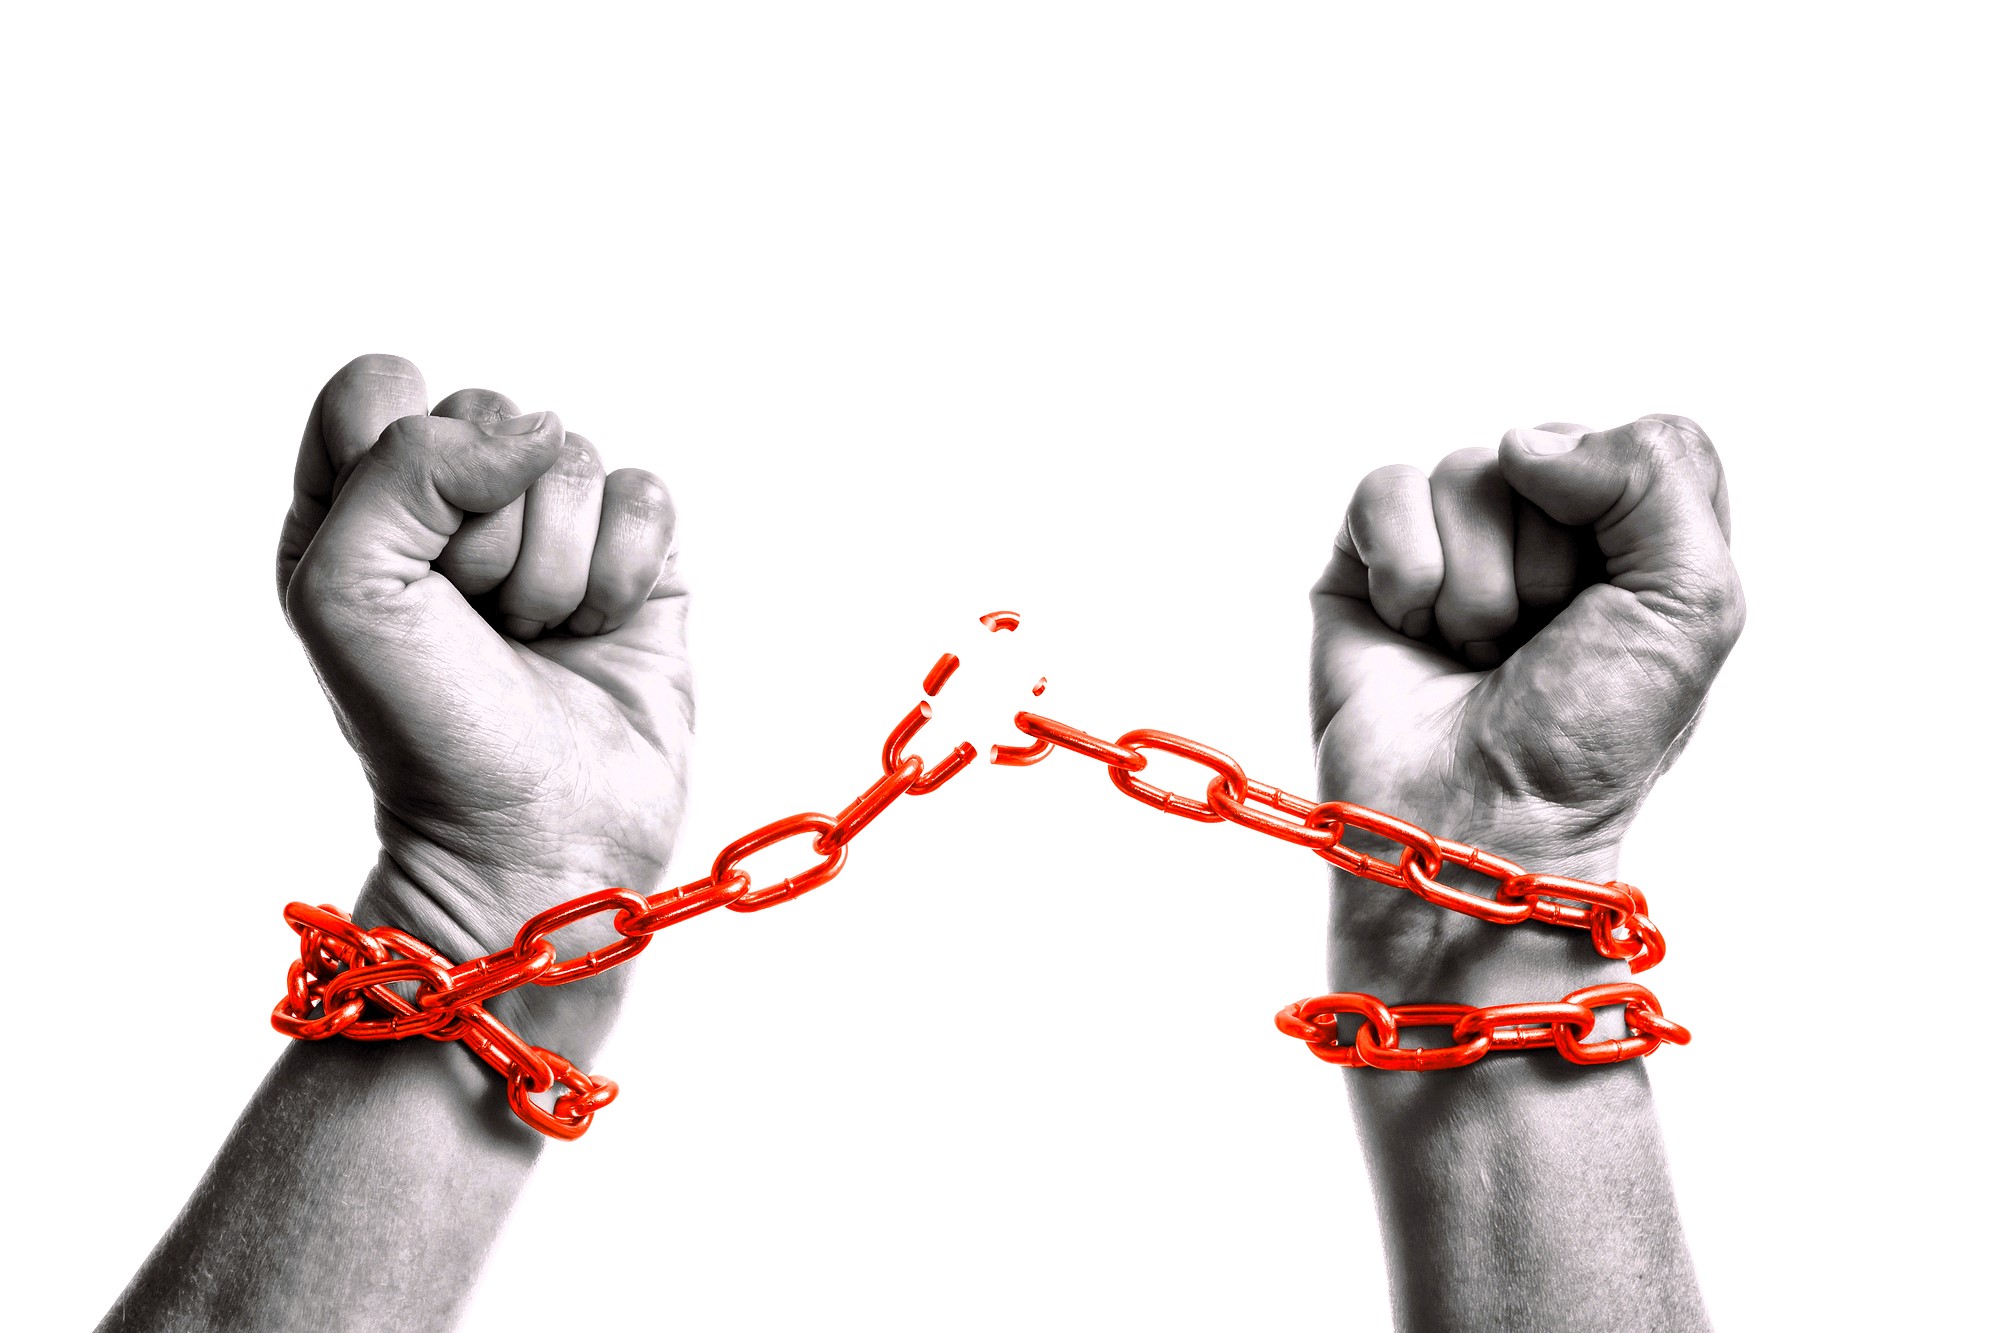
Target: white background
(1100, 313)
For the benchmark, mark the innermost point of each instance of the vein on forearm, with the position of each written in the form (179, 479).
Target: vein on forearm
(1523, 1192)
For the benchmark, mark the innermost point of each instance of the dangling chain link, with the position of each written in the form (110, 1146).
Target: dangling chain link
(342, 968)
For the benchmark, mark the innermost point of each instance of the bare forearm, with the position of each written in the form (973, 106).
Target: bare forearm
(1521, 1191)
(364, 1183)
(1526, 1193)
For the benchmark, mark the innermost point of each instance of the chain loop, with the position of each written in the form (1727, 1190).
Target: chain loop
(1387, 1052)
(1339, 816)
(1525, 1027)
(1443, 895)
(773, 833)
(863, 809)
(683, 904)
(946, 769)
(1245, 812)
(1020, 756)
(572, 1112)
(480, 979)
(1648, 1032)
(1228, 771)
(535, 931)
(374, 979)
(1085, 744)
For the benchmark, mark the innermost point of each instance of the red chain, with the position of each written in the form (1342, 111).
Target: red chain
(342, 968)
(1565, 1024)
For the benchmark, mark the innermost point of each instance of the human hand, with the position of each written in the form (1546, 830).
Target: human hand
(1509, 652)
(500, 629)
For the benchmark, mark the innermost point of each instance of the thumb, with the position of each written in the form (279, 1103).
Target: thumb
(1672, 606)
(409, 494)
(393, 641)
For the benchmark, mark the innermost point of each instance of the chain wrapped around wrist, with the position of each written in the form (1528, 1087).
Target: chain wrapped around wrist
(342, 968)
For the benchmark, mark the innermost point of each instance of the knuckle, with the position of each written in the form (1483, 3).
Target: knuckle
(1730, 608)
(1481, 589)
(1478, 615)
(1385, 481)
(1673, 441)
(484, 407)
(310, 597)
(642, 494)
(539, 602)
(1473, 459)
(378, 366)
(623, 589)
(405, 439)
(1654, 437)
(1687, 426)
(577, 458)
(1416, 580)
(300, 594)
(1715, 596)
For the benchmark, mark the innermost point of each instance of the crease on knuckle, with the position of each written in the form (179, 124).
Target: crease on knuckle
(1473, 459)
(379, 366)
(644, 496)
(577, 460)
(1484, 596)
(1407, 583)
(1676, 442)
(403, 440)
(546, 605)
(1388, 477)
(617, 593)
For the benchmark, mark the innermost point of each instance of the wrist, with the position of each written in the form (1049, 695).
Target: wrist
(1387, 942)
(464, 922)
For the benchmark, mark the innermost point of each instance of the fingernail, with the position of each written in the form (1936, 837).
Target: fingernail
(1544, 441)
(1483, 653)
(1418, 623)
(527, 425)
(586, 622)
(519, 627)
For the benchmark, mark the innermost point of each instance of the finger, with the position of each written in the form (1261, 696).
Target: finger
(1475, 523)
(1707, 465)
(558, 536)
(482, 407)
(375, 618)
(1672, 606)
(1392, 533)
(408, 495)
(483, 550)
(1352, 647)
(634, 531)
(644, 663)
(347, 418)
(1546, 557)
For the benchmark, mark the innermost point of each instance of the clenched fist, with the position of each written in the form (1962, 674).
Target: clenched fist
(1509, 651)
(499, 627)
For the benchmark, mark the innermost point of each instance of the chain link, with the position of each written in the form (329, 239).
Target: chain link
(1564, 1025)
(343, 969)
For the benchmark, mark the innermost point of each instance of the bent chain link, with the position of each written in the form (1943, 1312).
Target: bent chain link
(342, 968)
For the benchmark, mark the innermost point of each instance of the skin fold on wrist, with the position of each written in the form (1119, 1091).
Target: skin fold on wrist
(572, 1019)
(1387, 942)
